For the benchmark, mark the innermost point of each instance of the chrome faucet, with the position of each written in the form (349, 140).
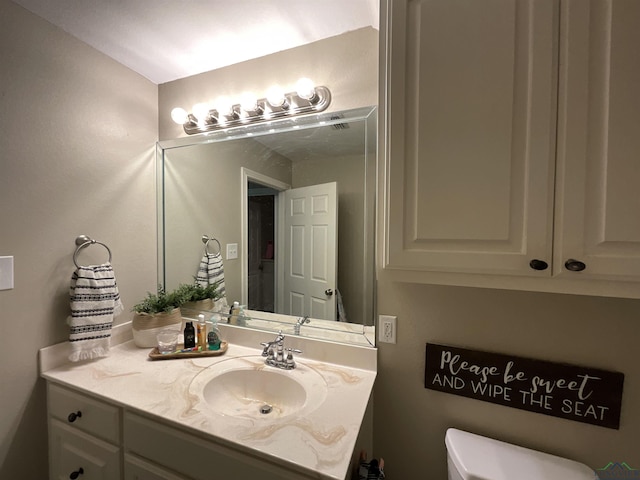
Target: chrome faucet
(301, 321)
(277, 358)
(268, 346)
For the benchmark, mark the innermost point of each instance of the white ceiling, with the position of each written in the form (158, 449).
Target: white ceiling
(164, 40)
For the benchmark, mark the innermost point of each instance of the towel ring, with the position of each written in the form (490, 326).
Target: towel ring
(82, 242)
(206, 240)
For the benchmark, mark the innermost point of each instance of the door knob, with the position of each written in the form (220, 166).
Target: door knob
(328, 292)
(574, 265)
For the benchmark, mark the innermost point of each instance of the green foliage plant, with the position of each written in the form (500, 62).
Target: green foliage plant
(195, 292)
(161, 302)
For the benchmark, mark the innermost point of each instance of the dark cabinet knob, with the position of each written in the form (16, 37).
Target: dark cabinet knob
(76, 474)
(73, 415)
(538, 264)
(574, 265)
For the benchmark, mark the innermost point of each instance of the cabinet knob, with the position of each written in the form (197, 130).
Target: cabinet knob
(574, 265)
(76, 474)
(538, 264)
(73, 415)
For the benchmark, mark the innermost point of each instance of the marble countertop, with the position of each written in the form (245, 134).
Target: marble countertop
(320, 441)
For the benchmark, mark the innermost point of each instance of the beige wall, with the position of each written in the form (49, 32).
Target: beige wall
(410, 421)
(77, 133)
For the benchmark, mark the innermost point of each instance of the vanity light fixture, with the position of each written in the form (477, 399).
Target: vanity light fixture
(226, 113)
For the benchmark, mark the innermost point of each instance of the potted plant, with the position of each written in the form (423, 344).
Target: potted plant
(197, 297)
(156, 312)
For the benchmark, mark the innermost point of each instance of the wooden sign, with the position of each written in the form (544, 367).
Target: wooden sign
(576, 393)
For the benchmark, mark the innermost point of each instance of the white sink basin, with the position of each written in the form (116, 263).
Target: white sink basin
(245, 387)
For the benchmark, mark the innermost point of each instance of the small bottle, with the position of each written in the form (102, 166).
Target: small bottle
(213, 338)
(240, 320)
(189, 336)
(202, 332)
(233, 313)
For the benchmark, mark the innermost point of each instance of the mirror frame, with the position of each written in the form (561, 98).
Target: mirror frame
(327, 118)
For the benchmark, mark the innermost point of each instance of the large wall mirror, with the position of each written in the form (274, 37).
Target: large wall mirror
(290, 206)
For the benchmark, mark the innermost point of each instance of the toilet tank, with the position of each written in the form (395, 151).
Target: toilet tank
(473, 457)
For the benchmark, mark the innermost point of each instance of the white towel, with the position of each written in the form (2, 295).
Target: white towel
(94, 301)
(210, 271)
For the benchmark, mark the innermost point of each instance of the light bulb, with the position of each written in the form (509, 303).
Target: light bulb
(305, 88)
(200, 111)
(275, 96)
(179, 115)
(249, 102)
(223, 105)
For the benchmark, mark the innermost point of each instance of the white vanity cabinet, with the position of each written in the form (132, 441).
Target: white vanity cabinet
(93, 440)
(84, 436)
(512, 144)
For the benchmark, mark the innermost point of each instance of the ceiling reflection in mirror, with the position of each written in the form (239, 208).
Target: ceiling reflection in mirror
(291, 204)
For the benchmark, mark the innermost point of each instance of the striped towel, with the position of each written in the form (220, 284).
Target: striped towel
(94, 301)
(210, 271)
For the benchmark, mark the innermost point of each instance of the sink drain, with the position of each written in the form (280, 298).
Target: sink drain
(266, 409)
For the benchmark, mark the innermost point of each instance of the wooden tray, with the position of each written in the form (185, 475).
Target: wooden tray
(155, 355)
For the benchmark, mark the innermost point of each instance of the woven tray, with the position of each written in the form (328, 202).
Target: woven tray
(155, 355)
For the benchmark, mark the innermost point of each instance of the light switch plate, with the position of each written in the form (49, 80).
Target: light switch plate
(6, 273)
(232, 251)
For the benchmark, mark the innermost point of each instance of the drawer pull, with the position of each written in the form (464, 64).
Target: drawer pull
(73, 416)
(76, 474)
(538, 264)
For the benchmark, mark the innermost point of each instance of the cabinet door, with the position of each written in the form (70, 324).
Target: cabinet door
(598, 205)
(470, 107)
(195, 457)
(73, 454)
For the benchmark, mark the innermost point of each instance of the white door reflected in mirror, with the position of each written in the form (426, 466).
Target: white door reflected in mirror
(310, 251)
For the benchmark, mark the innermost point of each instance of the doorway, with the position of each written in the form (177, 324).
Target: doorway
(261, 234)
(259, 276)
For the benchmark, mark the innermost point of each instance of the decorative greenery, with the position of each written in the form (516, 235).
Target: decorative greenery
(165, 302)
(194, 292)
(160, 302)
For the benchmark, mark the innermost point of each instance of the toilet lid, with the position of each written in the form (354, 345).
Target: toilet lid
(481, 458)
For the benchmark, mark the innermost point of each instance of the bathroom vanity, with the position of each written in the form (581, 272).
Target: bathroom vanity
(126, 416)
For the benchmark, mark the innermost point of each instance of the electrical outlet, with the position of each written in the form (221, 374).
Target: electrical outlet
(232, 251)
(387, 328)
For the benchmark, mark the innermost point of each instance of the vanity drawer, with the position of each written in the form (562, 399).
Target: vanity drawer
(194, 456)
(84, 413)
(74, 454)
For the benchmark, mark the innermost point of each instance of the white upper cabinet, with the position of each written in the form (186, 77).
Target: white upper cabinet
(511, 138)
(598, 173)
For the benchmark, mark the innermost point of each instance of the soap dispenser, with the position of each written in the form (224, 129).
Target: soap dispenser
(213, 338)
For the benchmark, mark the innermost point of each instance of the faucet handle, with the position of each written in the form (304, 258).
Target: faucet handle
(290, 363)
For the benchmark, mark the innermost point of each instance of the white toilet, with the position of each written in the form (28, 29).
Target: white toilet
(473, 457)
